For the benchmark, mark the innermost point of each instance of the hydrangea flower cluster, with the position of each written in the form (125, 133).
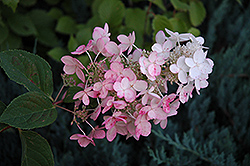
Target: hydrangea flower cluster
(127, 88)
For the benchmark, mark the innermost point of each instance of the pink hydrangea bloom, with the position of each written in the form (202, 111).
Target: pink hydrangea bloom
(135, 56)
(115, 124)
(73, 65)
(148, 94)
(83, 140)
(84, 95)
(127, 42)
(166, 102)
(124, 89)
(81, 49)
(103, 87)
(97, 133)
(151, 66)
(181, 68)
(185, 92)
(163, 49)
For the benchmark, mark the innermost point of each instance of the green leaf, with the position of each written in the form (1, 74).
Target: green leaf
(160, 23)
(70, 94)
(72, 43)
(84, 35)
(178, 25)
(197, 12)
(57, 53)
(21, 24)
(54, 2)
(194, 31)
(11, 3)
(28, 3)
(4, 31)
(112, 12)
(159, 3)
(35, 150)
(178, 5)
(135, 19)
(66, 25)
(55, 13)
(45, 27)
(27, 69)
(12, 42)
(2, 108)
(28, 111)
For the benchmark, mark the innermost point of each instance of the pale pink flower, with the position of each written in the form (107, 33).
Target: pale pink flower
(198, 64)
(135, 56)
(81, 49)
(166, 102)
(103, 88)
(181, 68)
(73, 65)
(173, 107)
(84, 95)
(124, 89)
(127, 42)
(163, 49)
(96, 113)
(107, 103)
(148, 94)
(83, 140)
(101, 32)
(131, 128)
(97, 133)
(185, 92)
(119, 104)
(143, 127)
(151, 66)
(160, 37)
(115, 124)
(114, 50)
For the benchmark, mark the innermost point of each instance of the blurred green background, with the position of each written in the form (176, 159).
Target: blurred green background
(211, 129)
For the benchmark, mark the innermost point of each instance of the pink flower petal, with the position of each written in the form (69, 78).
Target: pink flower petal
(111, 134)
(85, 99)
(69, 69)
(129, 95)
(78, 95)
(154, 70)
(144, 128)
(80, 74)
(67, 60)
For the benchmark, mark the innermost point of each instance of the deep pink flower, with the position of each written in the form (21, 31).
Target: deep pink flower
(83, 140)
(84, 95)
(73, 65)
(103, 88)
(97, 133)
(81, 49)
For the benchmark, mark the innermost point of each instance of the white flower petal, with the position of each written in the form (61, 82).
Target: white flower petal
(194, 72)
(199, 56)
(182, 76)
(174, 69)
(190, 62)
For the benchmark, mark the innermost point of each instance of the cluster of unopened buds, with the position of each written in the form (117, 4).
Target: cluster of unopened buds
(125, 88)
